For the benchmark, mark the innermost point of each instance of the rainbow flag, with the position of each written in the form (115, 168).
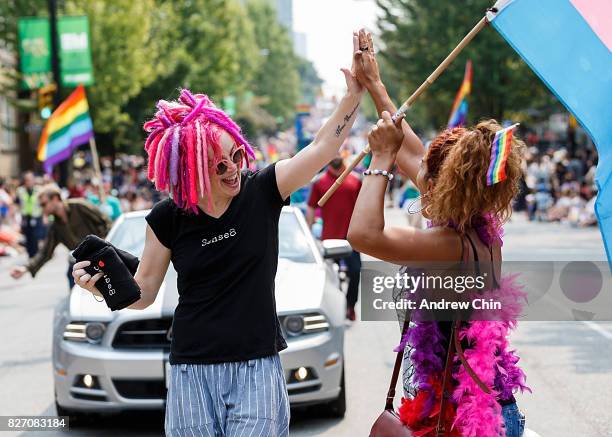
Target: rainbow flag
(500, 149)
(68, 127)
(459, 111)
(568, 44)
(272, 153)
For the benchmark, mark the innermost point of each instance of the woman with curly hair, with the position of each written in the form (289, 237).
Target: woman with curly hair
(466, 205)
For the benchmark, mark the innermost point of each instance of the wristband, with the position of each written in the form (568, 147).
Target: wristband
(385, 173)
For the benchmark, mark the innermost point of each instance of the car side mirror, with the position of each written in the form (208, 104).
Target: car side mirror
(336, 249)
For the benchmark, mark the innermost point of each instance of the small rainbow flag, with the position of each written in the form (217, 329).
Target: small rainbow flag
(500, 149)
(459, 111)
(68, 127)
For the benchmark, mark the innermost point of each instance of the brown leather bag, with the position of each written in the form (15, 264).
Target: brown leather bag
(388, 423)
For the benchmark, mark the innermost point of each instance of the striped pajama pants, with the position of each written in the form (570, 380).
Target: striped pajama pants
(244, 398)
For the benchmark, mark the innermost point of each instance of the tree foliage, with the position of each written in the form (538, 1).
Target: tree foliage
(418, 34)
(206, 46)
(147, 50)
(10, 11)
(277, 79)
(121, 38)
(309, 80)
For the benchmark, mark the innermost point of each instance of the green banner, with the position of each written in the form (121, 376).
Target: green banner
(34, 52)
(74, 51)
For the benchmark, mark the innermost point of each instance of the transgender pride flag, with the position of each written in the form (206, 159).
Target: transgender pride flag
(568, 43)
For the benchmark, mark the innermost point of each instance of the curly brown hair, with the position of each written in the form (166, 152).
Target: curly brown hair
(457, 162)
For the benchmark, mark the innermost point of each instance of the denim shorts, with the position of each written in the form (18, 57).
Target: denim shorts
(514, 420)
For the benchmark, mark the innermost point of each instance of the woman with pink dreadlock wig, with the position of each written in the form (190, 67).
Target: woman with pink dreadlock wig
(219, 228)
(468, 178)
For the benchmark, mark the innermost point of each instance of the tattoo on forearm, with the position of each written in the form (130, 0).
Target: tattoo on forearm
(347, 117)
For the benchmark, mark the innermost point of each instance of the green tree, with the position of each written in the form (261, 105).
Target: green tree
(419, 34)
(206, 46)
(217, 43)
(24, 101)
(309, 80)
(10, 11)
(145, 51)
(277, 79)
(122, 38)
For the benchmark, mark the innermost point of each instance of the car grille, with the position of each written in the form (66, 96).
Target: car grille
(140, 389)
(143, 334)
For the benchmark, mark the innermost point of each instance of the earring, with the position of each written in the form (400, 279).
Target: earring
(412, 202)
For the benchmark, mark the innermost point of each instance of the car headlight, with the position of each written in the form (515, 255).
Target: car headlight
(91, 332)
(298, 324)
(294, 325)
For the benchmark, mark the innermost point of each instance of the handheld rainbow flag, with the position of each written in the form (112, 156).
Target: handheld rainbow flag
(459, 111)
(500, 149)
(68, 127)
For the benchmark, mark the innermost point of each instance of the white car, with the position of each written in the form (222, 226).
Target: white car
(107, 361)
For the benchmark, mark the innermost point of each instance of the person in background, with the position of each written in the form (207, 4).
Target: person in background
(75, 189)
(111, 206)
(336, 214)
(32, 225)
(10, 237)
(73, 220)
(6, 202)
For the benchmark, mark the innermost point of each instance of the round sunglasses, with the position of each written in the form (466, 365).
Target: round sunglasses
(237, 158)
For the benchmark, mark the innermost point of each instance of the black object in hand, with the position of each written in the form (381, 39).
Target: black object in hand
(117, 286)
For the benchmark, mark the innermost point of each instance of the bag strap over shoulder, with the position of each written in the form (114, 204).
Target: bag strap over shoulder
(396, 370)
(446, 379)
(454, 345)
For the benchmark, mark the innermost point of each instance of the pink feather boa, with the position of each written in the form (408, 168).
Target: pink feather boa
(479, 413)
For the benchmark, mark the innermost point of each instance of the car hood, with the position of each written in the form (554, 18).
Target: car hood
(299, 286)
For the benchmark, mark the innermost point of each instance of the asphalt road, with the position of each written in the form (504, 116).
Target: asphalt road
(569, 364)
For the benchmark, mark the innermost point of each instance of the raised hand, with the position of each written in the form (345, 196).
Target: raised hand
(352, 84)
(364, 60)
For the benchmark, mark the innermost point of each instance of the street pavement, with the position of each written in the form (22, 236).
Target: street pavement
(569, 364)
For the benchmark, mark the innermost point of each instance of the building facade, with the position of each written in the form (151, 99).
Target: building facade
(9, 157)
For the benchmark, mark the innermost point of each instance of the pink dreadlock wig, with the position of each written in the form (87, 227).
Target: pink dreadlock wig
(180, 135)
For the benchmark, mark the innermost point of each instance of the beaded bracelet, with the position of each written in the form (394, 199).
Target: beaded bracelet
(385, 173)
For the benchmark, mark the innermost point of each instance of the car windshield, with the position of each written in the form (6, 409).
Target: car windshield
(292, 242)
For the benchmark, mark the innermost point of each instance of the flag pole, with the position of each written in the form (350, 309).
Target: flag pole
(96, 165)
(408, 103)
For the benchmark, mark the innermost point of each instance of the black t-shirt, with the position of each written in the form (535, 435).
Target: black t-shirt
(226, 268)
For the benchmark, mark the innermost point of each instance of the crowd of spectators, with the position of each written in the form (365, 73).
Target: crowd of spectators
(123, 187)
(559, 186)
